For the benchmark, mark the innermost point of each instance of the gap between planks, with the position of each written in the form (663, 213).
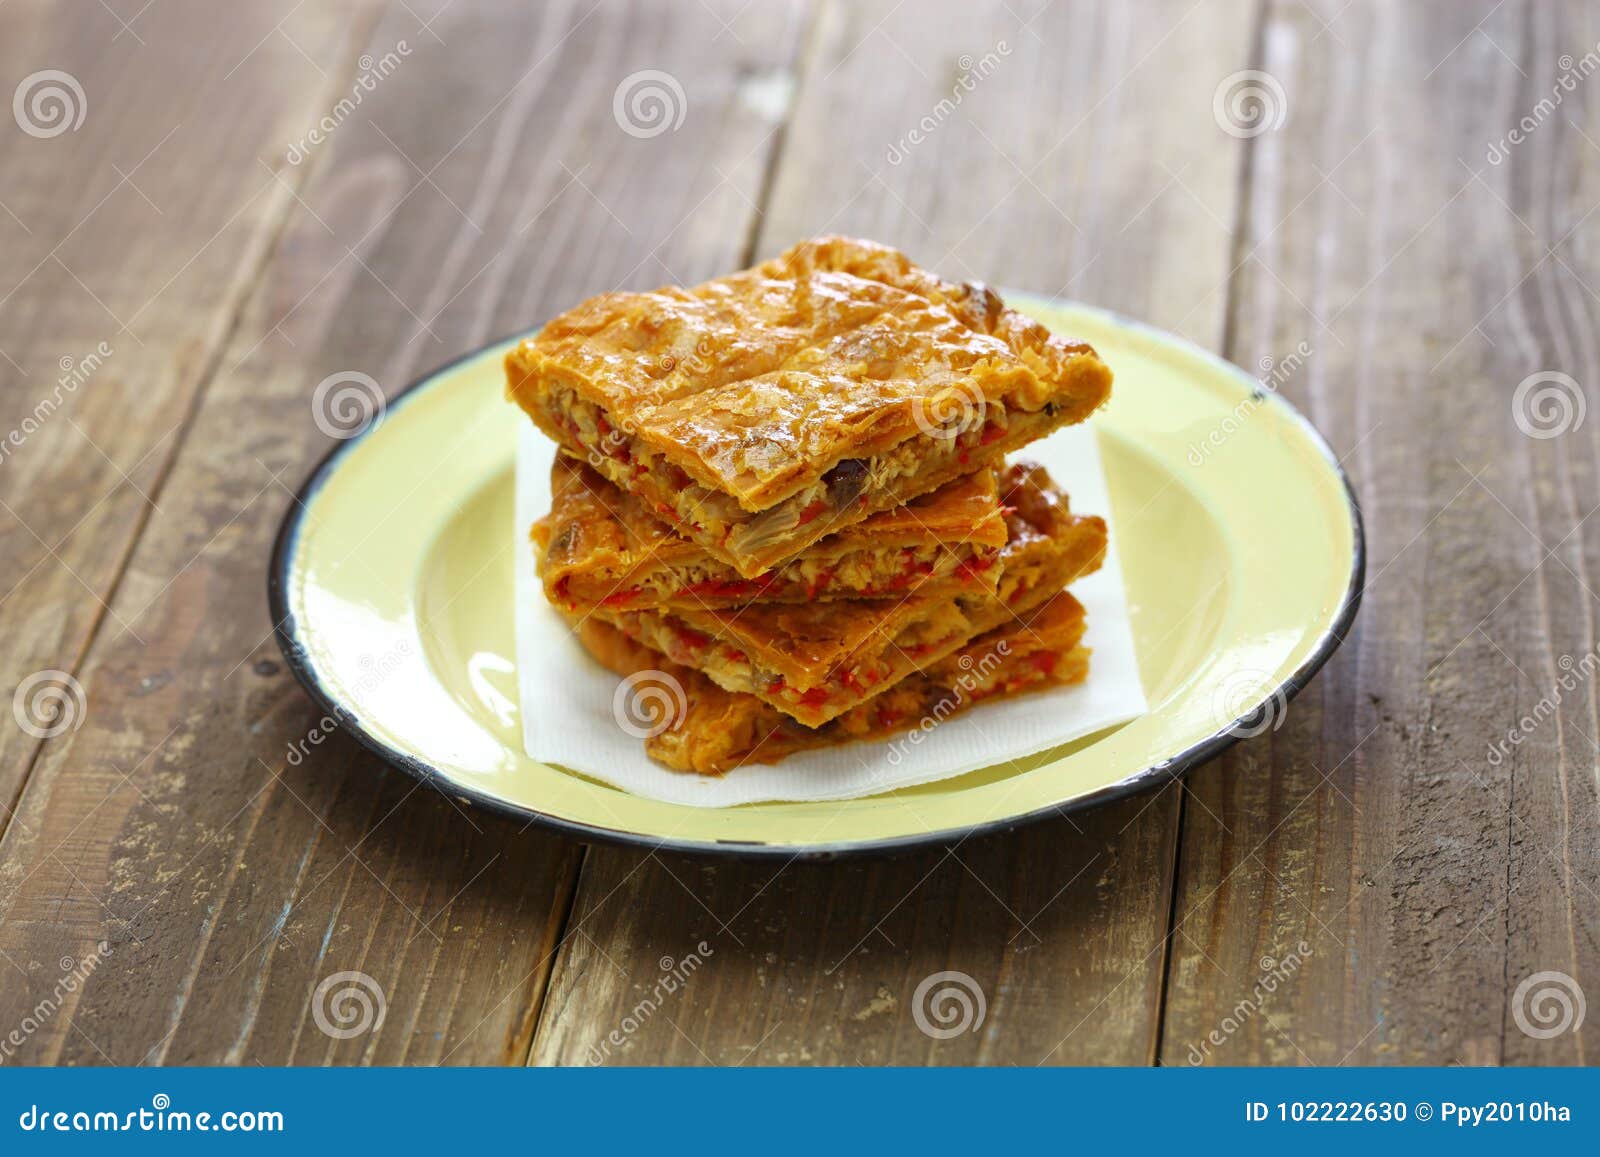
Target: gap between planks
(800, 70)
(1225, 349)
(258, 258)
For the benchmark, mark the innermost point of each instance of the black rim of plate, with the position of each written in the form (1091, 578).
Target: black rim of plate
(287, 630)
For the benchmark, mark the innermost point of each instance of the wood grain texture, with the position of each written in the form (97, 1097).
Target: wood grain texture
(1373, 881)
(229, 865)
(126, 248)
(1061, 927)
(1425, 877)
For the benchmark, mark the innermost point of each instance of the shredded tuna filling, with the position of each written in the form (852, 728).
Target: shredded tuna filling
(945, 626)
(858, 573)
(625, 459)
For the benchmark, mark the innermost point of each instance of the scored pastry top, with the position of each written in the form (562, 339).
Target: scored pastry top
(759, 383)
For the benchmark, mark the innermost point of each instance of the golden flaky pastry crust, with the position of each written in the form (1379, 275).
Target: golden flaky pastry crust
(815, 661)
(761, 411)
(600, 547)
(720, 730)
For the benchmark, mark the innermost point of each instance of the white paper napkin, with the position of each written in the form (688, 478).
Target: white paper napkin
(567, 696)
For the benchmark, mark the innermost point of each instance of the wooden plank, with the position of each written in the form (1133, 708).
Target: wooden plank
(229, 881)
(1426, 875)
(126, 248)
(1082, 159)
(1547, 628)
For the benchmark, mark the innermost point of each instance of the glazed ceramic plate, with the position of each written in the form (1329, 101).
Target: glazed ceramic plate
(1241, 549)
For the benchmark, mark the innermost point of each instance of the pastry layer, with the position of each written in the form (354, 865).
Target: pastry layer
(815, 661)
(720, 730)
(765, 410)
(602, 548)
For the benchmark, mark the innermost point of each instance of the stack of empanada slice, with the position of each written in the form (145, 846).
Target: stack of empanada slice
(786, 491)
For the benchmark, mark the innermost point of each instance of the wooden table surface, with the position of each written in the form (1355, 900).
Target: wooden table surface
(182, 259)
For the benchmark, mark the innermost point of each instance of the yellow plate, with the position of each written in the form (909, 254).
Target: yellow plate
(1241, 547)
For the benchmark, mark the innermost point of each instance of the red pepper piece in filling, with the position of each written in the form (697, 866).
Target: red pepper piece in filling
(973, 567)
(727, 588)
(810, 513)
(622, 598)
(991, 433)
(692, 638)
(913, 571)
(815, 697)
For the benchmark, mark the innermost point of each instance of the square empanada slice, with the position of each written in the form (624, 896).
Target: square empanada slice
(718, 730)
(765, 410)
(601, 548)
(815, 661)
